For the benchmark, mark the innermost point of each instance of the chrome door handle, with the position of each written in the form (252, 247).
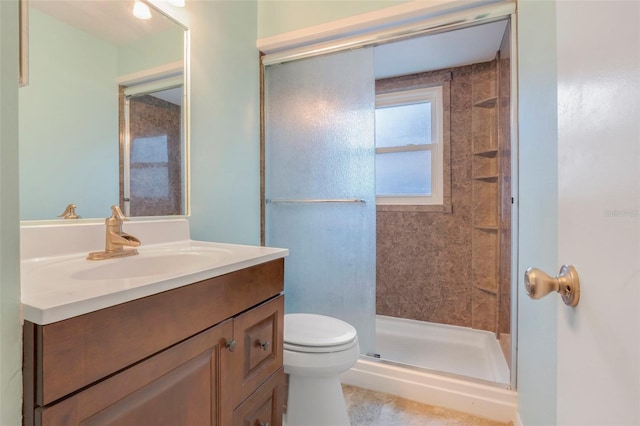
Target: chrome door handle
(538, 284)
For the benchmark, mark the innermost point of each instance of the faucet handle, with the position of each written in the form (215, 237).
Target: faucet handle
(69, 212)
(117, 213)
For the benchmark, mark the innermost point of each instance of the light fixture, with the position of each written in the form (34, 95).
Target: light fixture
(176, 3)
(141, 10)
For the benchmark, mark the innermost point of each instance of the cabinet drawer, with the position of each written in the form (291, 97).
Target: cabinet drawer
(258, 333)
(264, 406)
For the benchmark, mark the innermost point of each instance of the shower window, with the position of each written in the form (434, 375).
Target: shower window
(409, 147)
(149, 167)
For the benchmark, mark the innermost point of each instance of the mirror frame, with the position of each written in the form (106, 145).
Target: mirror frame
(23, 49)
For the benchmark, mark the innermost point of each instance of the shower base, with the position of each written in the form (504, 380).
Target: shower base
(448, 348)
(446, 366)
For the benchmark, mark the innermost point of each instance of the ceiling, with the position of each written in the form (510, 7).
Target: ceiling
(439, 51)
(170, 95)
(109, 20)
(112, 20)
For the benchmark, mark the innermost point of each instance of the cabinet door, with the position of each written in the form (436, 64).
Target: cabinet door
(258, 354)
(179, 386)
(264, 406)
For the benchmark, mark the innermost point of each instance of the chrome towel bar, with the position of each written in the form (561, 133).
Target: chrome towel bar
(320, 200)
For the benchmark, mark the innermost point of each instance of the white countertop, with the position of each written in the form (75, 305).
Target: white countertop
(55, 288)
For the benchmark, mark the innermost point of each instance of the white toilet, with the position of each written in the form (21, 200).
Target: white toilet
(317, 349)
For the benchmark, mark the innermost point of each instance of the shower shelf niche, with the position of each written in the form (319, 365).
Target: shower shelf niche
(490, 153)
(486, 103)
(485, 188)
(487, 178)
(486, 228)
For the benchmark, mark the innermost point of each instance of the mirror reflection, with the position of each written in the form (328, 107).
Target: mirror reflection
(102, 120)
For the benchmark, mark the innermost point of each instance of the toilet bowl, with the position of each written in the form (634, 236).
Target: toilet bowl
(317, 349)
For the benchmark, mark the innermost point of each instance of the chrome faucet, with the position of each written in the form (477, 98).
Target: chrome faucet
(116, 240)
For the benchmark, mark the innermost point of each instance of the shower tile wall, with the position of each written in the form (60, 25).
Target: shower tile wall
(485, 199)
(424, 258)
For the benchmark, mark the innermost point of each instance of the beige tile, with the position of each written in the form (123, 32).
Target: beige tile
(425, 260)
(369, 408)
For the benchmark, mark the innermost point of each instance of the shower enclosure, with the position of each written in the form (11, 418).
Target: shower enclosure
(440, 274)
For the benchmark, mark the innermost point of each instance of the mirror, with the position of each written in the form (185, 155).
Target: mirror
(87, 61)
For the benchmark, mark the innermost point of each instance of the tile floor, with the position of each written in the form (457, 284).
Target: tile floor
(369, 408)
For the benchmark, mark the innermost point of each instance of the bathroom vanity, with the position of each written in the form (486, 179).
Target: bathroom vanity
(200, 348)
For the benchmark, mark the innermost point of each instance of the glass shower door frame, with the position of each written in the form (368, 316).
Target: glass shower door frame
(319, 184)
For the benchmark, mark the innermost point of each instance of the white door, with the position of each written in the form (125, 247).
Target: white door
(595, 379)
(599, 210)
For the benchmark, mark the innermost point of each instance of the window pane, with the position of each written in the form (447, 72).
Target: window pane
(150, 181)
(403, 173)
(403, 125)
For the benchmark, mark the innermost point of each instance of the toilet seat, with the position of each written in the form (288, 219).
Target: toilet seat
(312, 333)
(321, 349)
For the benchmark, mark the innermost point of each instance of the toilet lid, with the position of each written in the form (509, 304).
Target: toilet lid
(317, 330)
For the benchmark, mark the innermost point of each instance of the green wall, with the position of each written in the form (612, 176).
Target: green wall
(10, 330)
(159, 49)
(68, 122)
(538, 186)
(281, 16)
(225, 120)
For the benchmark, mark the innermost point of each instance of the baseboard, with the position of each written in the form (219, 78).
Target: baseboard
(482, 400)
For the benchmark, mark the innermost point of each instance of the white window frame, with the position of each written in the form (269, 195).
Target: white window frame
(408, 97)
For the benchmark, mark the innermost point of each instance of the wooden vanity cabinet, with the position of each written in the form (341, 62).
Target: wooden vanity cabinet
(209, 353)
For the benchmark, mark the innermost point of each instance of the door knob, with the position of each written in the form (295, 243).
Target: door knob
(538, 284)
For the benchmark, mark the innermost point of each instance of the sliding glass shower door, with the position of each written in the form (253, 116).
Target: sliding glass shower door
(319, 184)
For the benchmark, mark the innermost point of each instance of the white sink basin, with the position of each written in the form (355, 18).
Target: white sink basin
(147, 263)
